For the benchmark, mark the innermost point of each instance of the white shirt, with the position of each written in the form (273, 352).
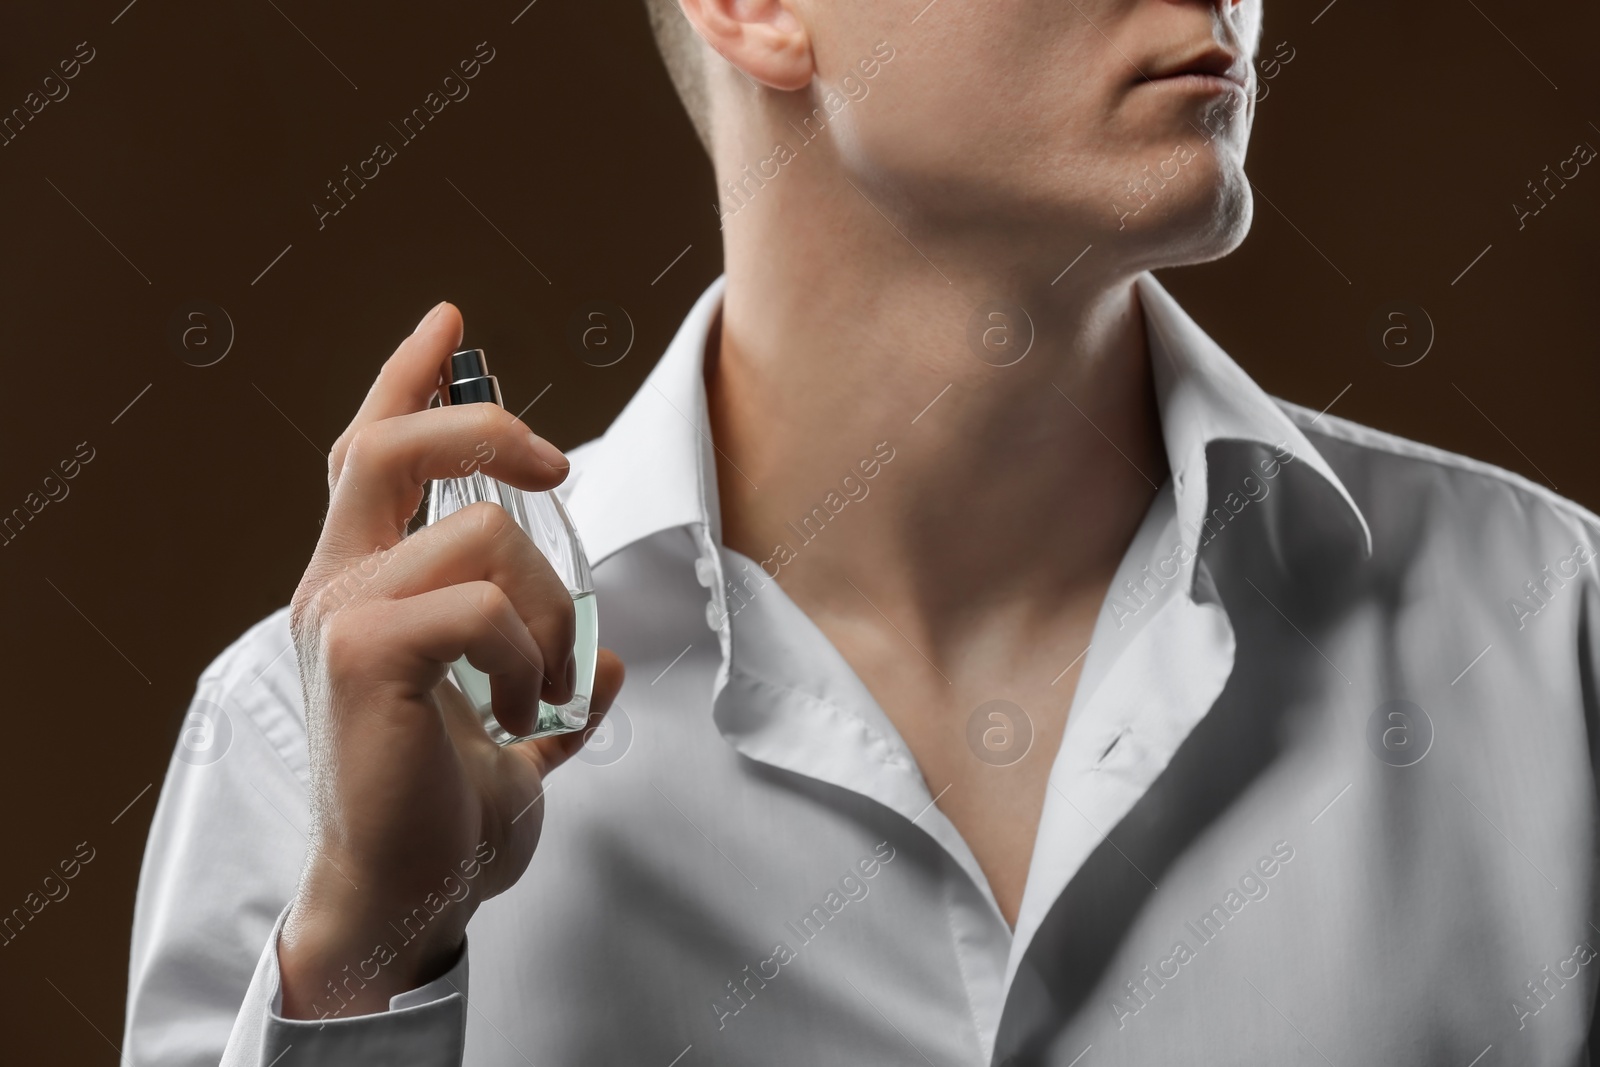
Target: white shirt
(1338, 718)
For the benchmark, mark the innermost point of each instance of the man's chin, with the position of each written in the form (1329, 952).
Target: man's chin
(1194, 222)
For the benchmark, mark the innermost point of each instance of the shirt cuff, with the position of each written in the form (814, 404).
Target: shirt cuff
(452, 981)
(424, 1026)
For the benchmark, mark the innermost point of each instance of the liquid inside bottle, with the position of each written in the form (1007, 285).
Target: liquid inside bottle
(543, 518)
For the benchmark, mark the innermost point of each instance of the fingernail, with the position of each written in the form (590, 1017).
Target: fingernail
(548, 454)
(429, 316)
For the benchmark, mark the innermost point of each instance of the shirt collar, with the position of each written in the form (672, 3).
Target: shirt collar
(1204, 398)
(654, 468)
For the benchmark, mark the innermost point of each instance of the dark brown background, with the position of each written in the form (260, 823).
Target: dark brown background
(1386, 157)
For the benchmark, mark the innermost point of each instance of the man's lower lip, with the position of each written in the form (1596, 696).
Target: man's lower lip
(1210, 83)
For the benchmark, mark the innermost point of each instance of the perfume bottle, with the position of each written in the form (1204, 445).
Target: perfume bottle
(547, 524)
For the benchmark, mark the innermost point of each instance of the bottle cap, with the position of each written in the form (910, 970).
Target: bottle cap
(470, 380)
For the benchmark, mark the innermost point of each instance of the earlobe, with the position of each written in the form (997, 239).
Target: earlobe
(764, 39)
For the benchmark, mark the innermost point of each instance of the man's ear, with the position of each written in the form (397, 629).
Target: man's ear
(763, 38)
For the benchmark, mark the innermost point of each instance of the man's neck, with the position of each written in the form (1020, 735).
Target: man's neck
(1012, 489)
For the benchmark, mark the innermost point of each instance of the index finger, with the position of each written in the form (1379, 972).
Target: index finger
(408, 379)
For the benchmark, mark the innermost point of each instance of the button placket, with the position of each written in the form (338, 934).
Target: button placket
(708, 572)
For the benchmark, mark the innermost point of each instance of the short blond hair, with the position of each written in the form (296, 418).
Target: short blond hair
(683, 52)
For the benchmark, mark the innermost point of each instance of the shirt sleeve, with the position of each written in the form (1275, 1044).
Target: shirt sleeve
(1588, 656)
(220, 866)
(425, 1027)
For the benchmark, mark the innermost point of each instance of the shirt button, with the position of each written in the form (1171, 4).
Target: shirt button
(705, 571)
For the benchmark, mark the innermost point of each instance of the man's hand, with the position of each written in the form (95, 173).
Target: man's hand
(407, 789)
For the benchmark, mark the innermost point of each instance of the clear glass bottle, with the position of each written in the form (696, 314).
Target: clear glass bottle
(547, 524)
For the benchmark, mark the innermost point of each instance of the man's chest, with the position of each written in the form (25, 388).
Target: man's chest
(983, 729)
